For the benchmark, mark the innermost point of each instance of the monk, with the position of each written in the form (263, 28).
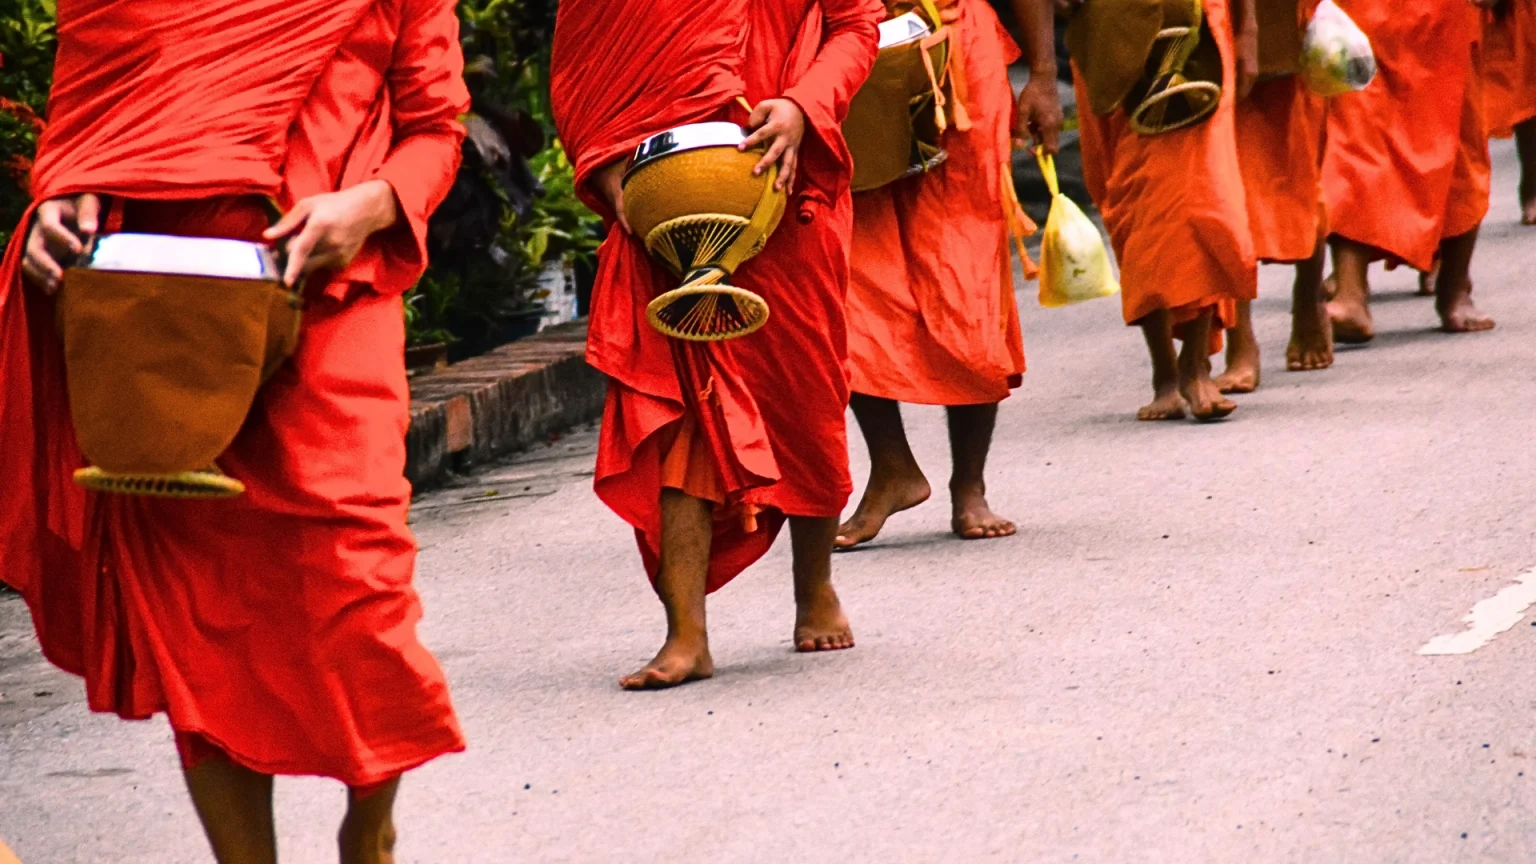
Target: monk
(931, 313)
(1406, 171)
(1509, 87)
(708, 449)
(1279, 148)
(276, 630)
(1177, 219)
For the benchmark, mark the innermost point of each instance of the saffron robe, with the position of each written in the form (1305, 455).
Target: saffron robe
(932, 317)
(766, 411)
(1509, 67)
(279, 626)
(1279, 148)
(1407, 158)
(1174, 204)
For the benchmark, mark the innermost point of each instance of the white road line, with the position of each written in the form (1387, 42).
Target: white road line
(1488, 618)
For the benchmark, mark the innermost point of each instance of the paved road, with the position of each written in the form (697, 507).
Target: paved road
(1202, 646)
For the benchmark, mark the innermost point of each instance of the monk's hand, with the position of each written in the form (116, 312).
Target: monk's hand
(1247, 57)
(610, 184)
(781, 123)
(326, 231)
(60, 229)
(1039, 115)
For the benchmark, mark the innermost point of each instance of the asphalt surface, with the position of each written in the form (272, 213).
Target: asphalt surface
(1201, 646)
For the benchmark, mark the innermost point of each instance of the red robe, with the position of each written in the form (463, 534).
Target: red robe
(766, 411)
(932, 317)
(1407, 158)
(1279, 148)
(1174, 204)
(280, 625)
(1509, 68)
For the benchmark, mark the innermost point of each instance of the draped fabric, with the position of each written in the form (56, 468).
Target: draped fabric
(932, 317)
(1174, 204)
(770, 406)
(281, 625)
(1407, 158)
(1279, 148)
(1509, 67)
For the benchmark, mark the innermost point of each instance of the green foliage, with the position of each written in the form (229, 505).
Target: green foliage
(27, 43)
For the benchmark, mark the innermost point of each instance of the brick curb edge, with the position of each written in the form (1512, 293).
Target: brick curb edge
(487, 406)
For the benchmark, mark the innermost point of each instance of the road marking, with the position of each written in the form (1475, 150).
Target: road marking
(1488, 618)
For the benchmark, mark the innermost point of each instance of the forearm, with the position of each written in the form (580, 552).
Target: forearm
(1037, 21)
(1245, 16)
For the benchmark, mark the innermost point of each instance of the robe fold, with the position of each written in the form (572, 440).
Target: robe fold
(1174, 204)
(931, 312)
(1279, 148)
(1407, 158)
(765, 412)
(279, 626)
(1509, 67)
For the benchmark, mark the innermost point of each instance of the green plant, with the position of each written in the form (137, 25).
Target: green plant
(27, 42)
(427, 307)
(561, 228)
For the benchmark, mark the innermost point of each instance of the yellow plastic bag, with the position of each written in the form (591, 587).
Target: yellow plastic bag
(1074, 266)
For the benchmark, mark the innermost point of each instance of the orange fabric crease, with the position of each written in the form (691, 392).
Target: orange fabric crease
(1174, 204)
(1279, 148)
(932, 317)
(280, 626)
(1509, 68)
(774, 421)
(1407, 158)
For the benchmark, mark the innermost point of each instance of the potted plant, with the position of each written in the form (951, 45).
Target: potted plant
(426, 336)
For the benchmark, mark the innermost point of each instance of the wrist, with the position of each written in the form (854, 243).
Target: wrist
(1043, 72)
(383, 206)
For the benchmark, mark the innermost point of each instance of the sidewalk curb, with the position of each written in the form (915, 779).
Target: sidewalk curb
(487, 406)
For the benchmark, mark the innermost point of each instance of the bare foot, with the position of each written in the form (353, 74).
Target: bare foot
(1527, 206)
(1352, 323)
(1311, 345)
(973, 519)
(1241, 376)
(1166, 404)
(1459, 315)
(678, 662)
(1427, 280)
(1205, 400)
(820, 624)
(882, 500)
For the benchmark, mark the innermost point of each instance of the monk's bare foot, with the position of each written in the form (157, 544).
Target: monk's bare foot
(1527, 205)
(678, 662)
(884, 498)
(1241, 376)
(973, 519)
(1459, 315)
(1166, 404)
(1427, 281)
(1311, 345)
(1352, 322)
(1330, 287)
(820, 624)
(1205, 400)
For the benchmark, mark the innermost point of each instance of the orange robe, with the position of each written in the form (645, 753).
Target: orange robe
(279, 626)
(1407, 158)
(765, 413)
(1279, 148)
(1174, 204)
(1509, 67)
(931, 312)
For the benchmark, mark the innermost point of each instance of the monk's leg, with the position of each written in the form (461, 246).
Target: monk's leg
(1166, 402)
(686, 528)
(1453, 289)
(367, 833)
(1242, 374)
(1195, 385)
(820, 624)
(235, 806)
(1311, 332)
(1428, 279)
(1350, 308)
(896, 483)
(970, 439)
(1525, 143)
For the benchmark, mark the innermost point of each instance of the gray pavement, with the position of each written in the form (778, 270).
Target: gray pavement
(1201, 646)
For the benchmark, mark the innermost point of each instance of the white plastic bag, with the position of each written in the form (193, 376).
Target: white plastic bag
(1074, 265)
(1336, 56)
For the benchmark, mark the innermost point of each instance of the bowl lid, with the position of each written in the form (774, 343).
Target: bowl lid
(903, 29)
(213, 257)
(694, 136)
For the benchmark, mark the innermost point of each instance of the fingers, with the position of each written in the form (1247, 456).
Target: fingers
(50, 220)
(290, 221)
(1049, 137)
(775, 150)
(618, 208)
(88, 214)
(788, 168)
(758, 122)
(38, 264)
(299, 250)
